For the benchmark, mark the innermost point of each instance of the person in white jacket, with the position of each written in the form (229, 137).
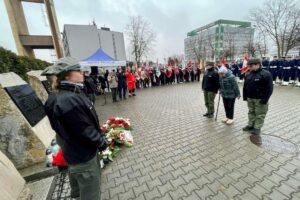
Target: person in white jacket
(113, 83)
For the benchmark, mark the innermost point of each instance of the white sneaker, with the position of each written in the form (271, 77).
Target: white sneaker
(225, 120)
(229, 121)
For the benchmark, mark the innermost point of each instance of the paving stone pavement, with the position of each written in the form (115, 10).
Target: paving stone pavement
(179, 154)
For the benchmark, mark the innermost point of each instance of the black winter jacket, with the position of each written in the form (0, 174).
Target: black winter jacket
(210, 82)
(90, 86)
(258, 85)
(75, 120)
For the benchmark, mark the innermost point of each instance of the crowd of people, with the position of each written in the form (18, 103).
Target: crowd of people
(257, 90)
(284, 70)
(123, 82)
(72, 114)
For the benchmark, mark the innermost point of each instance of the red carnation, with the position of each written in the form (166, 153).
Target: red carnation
(112, 118)
(111, 142)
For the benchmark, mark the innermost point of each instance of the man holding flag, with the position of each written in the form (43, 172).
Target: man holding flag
(258, 88)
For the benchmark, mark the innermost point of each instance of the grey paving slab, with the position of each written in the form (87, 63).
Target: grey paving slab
(179, 154)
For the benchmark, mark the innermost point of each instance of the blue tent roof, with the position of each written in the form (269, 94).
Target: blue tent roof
(99, 55)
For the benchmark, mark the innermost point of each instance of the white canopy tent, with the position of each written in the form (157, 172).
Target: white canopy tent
(101, 60)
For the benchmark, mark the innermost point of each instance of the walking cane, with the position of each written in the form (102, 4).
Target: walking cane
(218, 107)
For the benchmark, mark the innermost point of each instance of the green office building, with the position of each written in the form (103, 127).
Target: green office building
(210, 42)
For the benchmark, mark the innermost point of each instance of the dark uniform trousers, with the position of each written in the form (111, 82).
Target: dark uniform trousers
(85, 180)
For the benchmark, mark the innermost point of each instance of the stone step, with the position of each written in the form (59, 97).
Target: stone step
(38, 172)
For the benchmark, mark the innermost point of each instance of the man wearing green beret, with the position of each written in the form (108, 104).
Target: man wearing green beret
(210, 87)
(257, 91)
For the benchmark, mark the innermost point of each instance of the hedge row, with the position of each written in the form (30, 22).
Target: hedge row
(11, 62)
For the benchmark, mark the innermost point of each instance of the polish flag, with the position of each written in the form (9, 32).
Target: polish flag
(245, 66)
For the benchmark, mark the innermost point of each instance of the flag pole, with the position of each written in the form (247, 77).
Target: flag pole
(218, 107)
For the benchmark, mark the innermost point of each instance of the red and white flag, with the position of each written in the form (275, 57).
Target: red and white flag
(223, 61)
(245, 64)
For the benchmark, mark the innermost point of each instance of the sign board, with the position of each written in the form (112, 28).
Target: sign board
(27, 101)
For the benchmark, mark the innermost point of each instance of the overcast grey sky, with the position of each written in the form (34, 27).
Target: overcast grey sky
(170, 19)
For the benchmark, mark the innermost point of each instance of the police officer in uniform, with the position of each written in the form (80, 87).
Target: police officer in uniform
(286, 72)
(273, 68)
(210, 86)
(265, 63)
(280, 68)
(258, 88)
(297, 66)
(293, 71)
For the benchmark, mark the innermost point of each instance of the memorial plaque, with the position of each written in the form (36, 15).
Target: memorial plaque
(27, 101)
(47, 86)
(274, 143)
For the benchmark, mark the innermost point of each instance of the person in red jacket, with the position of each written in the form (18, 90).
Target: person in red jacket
(131, 83)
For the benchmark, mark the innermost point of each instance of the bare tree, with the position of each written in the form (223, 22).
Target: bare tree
(198, 47)
(280, 19)
(229, 40)
(141, 38)
(210, 45)
(260, 43)
(251, 48)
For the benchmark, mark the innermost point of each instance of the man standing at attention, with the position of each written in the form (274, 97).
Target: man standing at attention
(210, 87)
(75, 121)
(257, 91)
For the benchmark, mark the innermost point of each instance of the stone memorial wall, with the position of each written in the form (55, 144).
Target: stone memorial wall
(25, 131)
(39, 84)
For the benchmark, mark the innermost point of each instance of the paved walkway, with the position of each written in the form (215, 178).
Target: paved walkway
(179, 154)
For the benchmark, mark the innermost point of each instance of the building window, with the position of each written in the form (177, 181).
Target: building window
(114, 46)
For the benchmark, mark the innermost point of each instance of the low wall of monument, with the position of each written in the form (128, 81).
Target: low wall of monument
(12, 184)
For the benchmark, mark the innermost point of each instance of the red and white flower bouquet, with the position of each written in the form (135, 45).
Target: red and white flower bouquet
(118, 133)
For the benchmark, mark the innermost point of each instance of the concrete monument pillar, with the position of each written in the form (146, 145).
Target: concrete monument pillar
(12, 184)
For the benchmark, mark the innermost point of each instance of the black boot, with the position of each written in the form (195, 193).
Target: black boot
(210, 115)
(247, 128)
(205, 115)
(255, 131)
